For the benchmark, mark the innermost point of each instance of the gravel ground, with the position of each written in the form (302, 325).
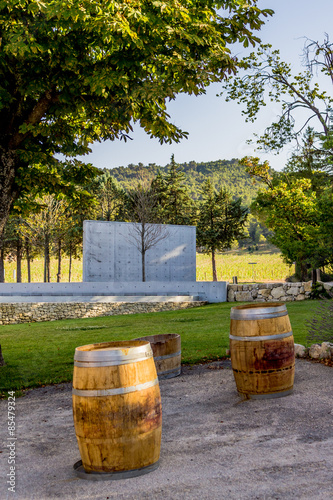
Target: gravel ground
(214, 445)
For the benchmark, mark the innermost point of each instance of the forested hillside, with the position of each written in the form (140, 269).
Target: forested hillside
(226, 173)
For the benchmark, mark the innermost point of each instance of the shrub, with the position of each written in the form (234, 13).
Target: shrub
(320, 327)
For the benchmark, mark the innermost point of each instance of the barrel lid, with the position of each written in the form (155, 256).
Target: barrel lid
(129, 350)
(258, 311)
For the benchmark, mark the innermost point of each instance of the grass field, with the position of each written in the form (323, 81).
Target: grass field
(42, 353)
(269, 267)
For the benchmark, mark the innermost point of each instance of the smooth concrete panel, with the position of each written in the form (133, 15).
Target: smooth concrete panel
(210, 291)
(111, 253)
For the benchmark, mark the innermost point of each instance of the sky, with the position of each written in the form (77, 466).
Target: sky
(216, 128)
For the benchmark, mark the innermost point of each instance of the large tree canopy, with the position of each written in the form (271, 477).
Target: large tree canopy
(80, 71)
(301, 99)
(298, 209)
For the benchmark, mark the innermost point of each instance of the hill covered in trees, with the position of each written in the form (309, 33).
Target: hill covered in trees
(226, 173)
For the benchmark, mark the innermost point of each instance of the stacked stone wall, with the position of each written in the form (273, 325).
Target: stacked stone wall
(22, 312)
(271, 292)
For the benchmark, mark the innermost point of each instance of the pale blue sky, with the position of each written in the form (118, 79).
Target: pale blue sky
(216, 128)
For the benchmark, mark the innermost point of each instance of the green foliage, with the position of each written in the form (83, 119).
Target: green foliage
(297, 206)
(105, 198)
(111, 198)
(320, 326)
(220, 221)
(175, 205)
(318, 291)
(227, 173)
(78, 72)
(267, 78)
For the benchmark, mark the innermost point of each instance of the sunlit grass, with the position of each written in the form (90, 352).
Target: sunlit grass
(37, 270)
(269, 267)
(42, 353)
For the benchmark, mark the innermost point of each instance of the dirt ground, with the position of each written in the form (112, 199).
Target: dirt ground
(214, 445)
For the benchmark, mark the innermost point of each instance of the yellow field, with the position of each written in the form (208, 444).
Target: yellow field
(269, 267)
(37, 270)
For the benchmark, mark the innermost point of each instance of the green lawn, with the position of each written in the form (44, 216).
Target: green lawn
(42, 353)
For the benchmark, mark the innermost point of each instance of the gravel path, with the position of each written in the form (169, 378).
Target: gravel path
(214, 446)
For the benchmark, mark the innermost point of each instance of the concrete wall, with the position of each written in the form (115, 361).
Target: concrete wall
(111, 254)
(210, 291)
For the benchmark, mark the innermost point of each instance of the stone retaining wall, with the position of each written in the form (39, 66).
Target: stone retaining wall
(19, 312)
(269, 292)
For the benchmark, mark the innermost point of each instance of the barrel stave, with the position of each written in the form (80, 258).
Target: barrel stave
(117, 409)
(167, 353)
(262, 366)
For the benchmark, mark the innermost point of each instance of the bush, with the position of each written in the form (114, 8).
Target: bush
(320, 328)
(318, 292)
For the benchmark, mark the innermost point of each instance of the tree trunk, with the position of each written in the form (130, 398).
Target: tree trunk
(59, 261)
(143, 260)
(143, 252)
(303, 270)
(19, 248)
(70, 264)
(27, 252)
(8, 193)
(2, 361)
(47, 276)
(314, 276)
(214, 265)
(2, 262)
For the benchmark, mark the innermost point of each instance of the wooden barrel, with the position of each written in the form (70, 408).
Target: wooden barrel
(117, 409)
(262, 350)
(167, 354)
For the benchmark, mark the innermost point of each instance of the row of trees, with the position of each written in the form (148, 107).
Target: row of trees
(56, 226)
(227, 172)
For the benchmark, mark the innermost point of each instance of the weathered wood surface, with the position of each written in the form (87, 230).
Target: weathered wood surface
(120, 430)
(167, 354)
(262, 367)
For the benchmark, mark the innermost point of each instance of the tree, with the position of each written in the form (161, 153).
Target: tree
(299, 215)
(145, 233)
(78, 72)
(45, 227)
(111, 198)
(175, 204)
(267, 78)
(220, 221)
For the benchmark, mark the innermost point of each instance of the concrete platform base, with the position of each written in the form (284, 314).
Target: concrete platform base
(130, 299)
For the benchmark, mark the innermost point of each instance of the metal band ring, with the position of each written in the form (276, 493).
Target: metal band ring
(263, 337)
(167, 356)
(113, 355)
(95, 364)
(114, 392)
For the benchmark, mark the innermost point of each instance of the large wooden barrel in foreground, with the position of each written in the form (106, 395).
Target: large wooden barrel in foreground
(262, 350)
(117, 409)
(167, 354)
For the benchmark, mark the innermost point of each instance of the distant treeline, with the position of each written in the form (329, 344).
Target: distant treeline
(226, 173)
